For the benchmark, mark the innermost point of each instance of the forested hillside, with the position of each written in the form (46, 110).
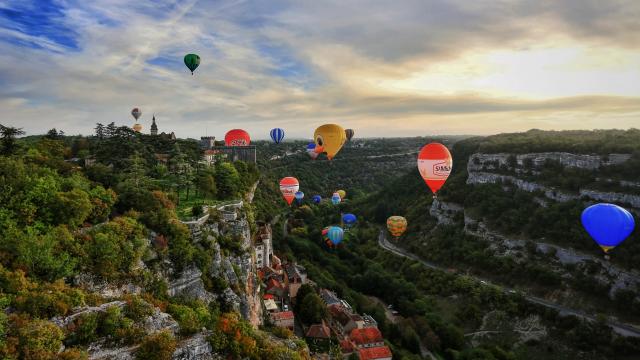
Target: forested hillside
(95, 262)
(525, 237)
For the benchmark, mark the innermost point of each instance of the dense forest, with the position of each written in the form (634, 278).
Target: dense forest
(105, 208)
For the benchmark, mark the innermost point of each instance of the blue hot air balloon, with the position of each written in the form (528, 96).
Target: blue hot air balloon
(608, 224)
(335, 234)
(349, 220)
(335, 199)
(299, 196)
(317, 199)
(311, 150)
(277, 135)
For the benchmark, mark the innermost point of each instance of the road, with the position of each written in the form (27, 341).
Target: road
(620, 328)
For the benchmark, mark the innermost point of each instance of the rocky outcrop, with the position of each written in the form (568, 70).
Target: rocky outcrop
(79, 312)
(551, 193)
(190, 285)
(103, 288)
(478, 162)
(444, 211)
(195, 348)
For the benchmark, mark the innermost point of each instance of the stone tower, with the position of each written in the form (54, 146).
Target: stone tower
(154, 127)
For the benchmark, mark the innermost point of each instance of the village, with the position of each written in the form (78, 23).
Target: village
(356, 335)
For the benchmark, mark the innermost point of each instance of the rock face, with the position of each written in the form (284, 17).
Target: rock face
(480, 165)
(104, 288)
(195, 348)
(478, 162)
(64, 321)
(190, 285)
(444, 211)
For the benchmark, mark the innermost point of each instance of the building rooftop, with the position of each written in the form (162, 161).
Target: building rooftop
(380, 352)
(270, 305)
(319, 331)
(329, 297)
(282, 315)
(366, 336)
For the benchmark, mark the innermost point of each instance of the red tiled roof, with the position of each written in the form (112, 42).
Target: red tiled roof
(380, 352)
(283, 315)
(320, 331)
(273, 283)
(210, 152)
(267, 296)
(366, 336)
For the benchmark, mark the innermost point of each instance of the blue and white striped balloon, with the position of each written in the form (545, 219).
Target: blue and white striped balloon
(277, 135)
(335, 234)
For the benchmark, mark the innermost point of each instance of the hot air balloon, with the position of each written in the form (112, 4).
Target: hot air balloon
(608, 224)
(349, 220)
(317, 199)
(299, 195)
(349, 133)
(192, 61)
(342, 194)
(237, 137)
(135, 112)
(434, 164)
(311, 150)
(329, 138)
(335, 198)
(277, 135)
(396, 225)
(335, 234)
(289, 186)
(137, 127)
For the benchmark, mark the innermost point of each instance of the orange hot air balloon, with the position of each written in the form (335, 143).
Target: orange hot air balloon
(289, 187)
(237, 137)
(137, 127)
(435, 163)
(396, 225)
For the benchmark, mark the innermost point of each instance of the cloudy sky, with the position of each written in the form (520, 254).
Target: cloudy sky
(383, 68)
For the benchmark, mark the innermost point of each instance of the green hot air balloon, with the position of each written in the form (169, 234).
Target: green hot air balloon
(192, 61)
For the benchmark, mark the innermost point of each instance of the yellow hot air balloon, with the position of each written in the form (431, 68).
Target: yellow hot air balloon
(342, 194)
(329, 138)
(137, 127)
(396, 225)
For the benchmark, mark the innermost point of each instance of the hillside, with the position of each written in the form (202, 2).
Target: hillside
(95, 262)
(509, 213)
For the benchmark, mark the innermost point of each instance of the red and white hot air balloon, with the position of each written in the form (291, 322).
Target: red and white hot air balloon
(289, 187)
(435, 163)
(237, 137)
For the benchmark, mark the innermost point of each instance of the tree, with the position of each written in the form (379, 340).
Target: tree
(227, 180)
(9, 145)
(313, 309)
(159, 346)
(206, 184)
(40, 339)
(100, 131)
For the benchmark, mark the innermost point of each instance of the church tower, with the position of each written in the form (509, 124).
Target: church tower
(154, 127)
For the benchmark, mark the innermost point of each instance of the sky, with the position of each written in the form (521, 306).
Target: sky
(382, 68)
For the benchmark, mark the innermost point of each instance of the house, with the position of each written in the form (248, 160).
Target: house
(342, 320)
(319, 332)
(376, 353)
(366, 338)
(263, 246)
(209, 156)
(235, 153)
(296, 277)
(270, 305)
(274, 287)
(162, 158)
(329, 297)
(284, 319)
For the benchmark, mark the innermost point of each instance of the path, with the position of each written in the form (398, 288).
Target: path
(620, 328)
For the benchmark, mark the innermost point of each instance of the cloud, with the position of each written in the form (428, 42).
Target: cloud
(450, 66)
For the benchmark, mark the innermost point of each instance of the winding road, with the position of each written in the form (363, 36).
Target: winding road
(620, 328)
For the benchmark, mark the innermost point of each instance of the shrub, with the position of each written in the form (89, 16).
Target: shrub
(186, 318)
(39, 339)
(159, 346)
